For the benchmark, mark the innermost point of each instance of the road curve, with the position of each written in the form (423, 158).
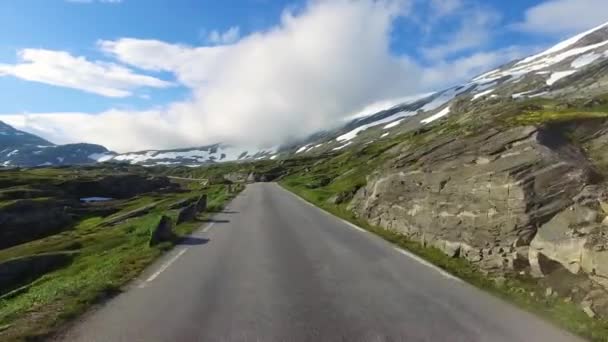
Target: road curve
(273, 268)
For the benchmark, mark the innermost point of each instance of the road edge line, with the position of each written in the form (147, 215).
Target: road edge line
(395, 247)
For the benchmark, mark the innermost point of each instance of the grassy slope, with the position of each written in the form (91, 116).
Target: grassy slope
(108, 257)
(320, 179)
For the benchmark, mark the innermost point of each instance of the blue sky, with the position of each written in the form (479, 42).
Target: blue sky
(171, 73)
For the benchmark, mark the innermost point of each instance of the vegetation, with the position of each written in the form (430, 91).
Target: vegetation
(105, 257)
(348, 172)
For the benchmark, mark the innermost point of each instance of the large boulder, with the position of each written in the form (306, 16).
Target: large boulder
(480, 197)
(163, 231)
(187, 214)
(201, 203)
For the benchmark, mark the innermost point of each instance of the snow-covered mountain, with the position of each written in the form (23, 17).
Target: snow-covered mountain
(18, 148)
(194, 156)
(574, 68)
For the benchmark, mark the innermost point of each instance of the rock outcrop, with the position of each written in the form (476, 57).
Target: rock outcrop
(187, 214)
(481, 197)
(525, 199)
(29, 219)
(20, 271)
(163, 231)
(201, 203)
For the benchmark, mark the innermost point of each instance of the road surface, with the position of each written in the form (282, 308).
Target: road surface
(273, 268)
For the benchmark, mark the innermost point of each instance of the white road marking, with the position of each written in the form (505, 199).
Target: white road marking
(166, 265)
(400, 250)
(208, 227)
(428, 264)
(170, 262)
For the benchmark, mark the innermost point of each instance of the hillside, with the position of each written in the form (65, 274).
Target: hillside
(22, 149)
(572, 69)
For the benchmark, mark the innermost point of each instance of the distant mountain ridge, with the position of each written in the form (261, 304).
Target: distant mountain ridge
(22, 149)
(576, 67)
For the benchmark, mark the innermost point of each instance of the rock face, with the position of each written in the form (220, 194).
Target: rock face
(163, 231)
(201, 204)
(576, 237)
(481, 197)
(25, 220)
(18, 272)
(187, 214)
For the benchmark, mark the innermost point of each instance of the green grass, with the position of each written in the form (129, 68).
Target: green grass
(108, 258)
(515, 289)
(548, 116)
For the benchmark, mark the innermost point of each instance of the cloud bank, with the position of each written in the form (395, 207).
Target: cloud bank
(60, 68)
(564, 16)
(319, 65)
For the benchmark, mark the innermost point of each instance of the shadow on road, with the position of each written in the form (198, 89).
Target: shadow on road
(228, 212)
(214, 221)
(192, 241)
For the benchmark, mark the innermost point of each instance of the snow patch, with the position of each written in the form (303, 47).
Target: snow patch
(556, 76)
(585, 60)
(483, 93)
(353, 133)
(437, 116)
(384, 135)
(100, 157)
(393, 124)
(341, 147)
(302, 149)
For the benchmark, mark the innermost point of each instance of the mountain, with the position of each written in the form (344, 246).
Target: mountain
(508, 172)
(195, 156)
(22, 149)
(574, 68)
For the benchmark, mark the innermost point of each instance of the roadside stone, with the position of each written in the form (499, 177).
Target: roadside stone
(163, 231)
(588, 309)
(187, 214)
(201, 204)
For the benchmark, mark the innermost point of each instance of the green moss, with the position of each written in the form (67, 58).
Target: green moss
(108, 257)
(544, 117)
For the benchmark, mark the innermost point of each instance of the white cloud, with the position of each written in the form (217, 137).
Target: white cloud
(268, 87)
(564, 16)
(475, 29)
(230, 36)
(60, 68)
(441, 8)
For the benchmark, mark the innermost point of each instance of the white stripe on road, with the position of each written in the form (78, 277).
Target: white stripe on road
(166, 265)
(428, 264)
(208, 227)
(171, 261)
(402, 251)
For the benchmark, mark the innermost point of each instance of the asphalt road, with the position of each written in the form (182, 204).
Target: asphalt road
(273, 268)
